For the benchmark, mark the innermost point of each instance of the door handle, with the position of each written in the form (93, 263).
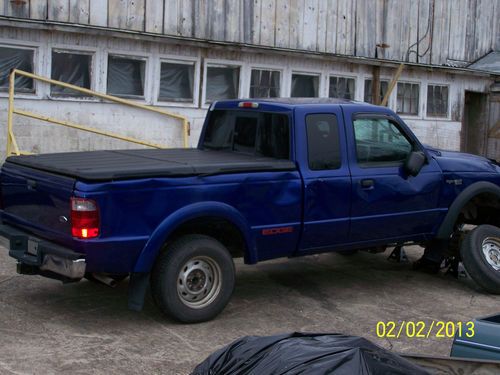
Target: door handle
(367, 184)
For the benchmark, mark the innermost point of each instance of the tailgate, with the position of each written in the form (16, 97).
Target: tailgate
(36, 201)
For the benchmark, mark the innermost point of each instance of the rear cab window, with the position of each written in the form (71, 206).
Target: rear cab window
(252, 133)
(323, 142)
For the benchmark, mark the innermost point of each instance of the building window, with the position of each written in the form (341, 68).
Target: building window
(408, 98)
(437, 101)
(73, 68)
(341, 87)
(369, 94)
(265, 84)
(176, 82)
(305, 86)
(222, 83)
(16, 58)
(126, 76)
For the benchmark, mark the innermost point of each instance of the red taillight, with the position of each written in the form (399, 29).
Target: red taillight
(84, 218)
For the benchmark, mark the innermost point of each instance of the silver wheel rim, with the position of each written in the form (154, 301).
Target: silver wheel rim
(199, 282)
(491, 252)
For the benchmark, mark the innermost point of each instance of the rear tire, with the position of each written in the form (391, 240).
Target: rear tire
(480, 252)
(193, 279)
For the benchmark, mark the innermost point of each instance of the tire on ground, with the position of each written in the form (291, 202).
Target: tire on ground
(193, 279)
(475, 261)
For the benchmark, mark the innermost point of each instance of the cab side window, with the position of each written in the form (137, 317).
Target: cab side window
(380, 142)
(323, 142)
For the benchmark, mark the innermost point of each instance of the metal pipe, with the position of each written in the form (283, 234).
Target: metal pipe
(99, 95)
(105, 279)
(11, 140)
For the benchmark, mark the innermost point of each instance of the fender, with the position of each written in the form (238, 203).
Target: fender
(446, 228)
(148, 255)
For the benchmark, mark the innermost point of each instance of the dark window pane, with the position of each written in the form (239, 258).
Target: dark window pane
(176, 82)
(71, 68)
(437, 101)
(245, 133)
(222, 83)
(219, 132)
(126, 76)
(323, 142)
(408, 98)
(264, 134)
(379, 141)
(13, 58)
(368, 97)
(304, 86)
(264, 84)
(273, 140)
(341, 87)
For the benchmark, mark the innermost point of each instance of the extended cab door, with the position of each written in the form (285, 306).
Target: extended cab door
(387, 203)
(322, 152)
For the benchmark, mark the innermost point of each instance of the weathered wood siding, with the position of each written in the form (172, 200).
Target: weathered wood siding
(428, 31)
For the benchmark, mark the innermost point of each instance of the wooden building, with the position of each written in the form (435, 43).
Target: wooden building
(184, 54)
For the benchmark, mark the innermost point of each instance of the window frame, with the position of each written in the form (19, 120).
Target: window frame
(419, 103)
(315, 73)
(335, 75)
(410, 137)
(37, 65)
(146, 57)
(382, 79)
(448, 109)
(271, 68)
(93, 71)
(176, 59)
(214, 63)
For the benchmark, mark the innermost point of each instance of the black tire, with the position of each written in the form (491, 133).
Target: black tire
(481, 270)
(193, 279)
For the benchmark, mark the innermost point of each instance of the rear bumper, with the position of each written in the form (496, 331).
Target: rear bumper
(39, 257)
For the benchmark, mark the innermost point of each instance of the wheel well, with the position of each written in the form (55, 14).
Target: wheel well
(483, 208)
(221, 229)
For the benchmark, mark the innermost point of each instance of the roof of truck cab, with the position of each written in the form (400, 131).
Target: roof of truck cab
(291, 103)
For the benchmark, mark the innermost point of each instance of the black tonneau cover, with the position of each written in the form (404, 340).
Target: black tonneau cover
(130, 164)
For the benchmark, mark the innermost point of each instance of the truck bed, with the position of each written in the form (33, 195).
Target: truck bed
(144, 163)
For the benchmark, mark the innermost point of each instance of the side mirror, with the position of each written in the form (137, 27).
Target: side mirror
(414, 163)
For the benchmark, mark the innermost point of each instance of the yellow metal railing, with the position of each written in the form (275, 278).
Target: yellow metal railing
(13, 148)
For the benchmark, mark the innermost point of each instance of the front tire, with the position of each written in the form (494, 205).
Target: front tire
(193, 279)
(480, 252)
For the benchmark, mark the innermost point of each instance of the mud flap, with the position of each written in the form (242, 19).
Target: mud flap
(138, 285)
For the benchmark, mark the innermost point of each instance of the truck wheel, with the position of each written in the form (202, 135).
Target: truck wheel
(480, 252)
(193, 279)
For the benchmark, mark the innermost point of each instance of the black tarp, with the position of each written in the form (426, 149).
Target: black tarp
(305, 353)
(14, 58)
(176, 82)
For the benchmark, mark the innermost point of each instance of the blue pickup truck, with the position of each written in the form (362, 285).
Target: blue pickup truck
(269, 178)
